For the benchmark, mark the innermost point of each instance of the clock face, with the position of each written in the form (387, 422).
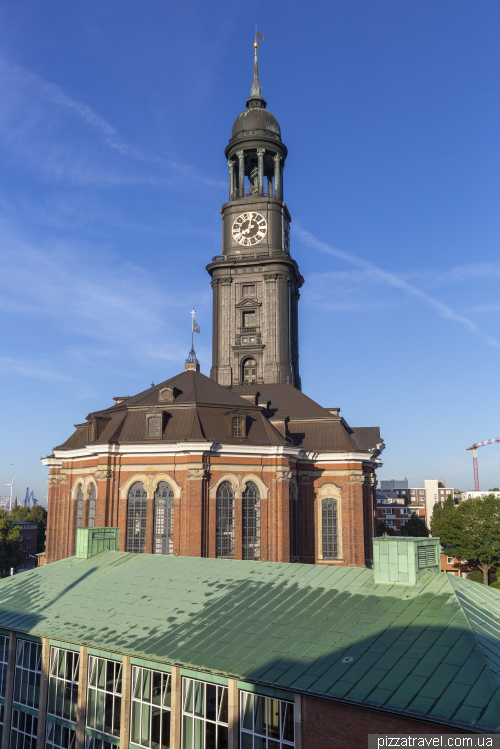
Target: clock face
(249, 229)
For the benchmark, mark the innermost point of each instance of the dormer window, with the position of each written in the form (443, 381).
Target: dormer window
(168, 394)
(92, 431)
(154, 426)
(238, 426)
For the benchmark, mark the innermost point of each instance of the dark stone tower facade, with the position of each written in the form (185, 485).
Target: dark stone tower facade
(255, 281)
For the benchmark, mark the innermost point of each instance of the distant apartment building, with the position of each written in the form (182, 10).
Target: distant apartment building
(430, 495)
(27, 544)
(395, 515)
(454, 566)
(477, 495)
(393, 489)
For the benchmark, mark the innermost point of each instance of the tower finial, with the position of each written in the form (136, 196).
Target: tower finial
(256, 99)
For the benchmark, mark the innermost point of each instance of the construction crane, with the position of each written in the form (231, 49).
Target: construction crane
(29, 498)
(473, 448)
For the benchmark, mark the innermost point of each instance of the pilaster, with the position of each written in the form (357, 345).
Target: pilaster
(9, 689)
(44, 686)
(175, 709)
(81, 710)
(125, 711)
(233, 713)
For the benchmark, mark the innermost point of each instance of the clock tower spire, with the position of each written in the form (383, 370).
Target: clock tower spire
(255, 281)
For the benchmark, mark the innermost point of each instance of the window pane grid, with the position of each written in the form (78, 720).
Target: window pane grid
(224, 521)
(154, 426)
(59, 737)
(164, 519)
(266, 723)
(104, 695)
(204, 715)
(330, 528)
(238, 424)
(23, 730)
(251, 522)
(27, 678)
(136, 519)
(151, 701)
(92, 502)
(63, 683)
(4, 657)
(92, 743)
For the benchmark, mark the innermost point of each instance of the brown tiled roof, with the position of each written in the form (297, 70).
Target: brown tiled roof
(286, 400)
(201, 409)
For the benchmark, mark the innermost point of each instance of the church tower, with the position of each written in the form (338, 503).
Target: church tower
(255, 281)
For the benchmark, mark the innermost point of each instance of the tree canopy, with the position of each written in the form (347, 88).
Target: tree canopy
(415, 527)
(10, 556)
(385, 530)
(471, 531)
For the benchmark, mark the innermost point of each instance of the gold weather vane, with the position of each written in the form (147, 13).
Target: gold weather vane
(256, 44)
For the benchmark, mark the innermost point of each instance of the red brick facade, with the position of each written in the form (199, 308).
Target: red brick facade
(194, 478)
(329, 725)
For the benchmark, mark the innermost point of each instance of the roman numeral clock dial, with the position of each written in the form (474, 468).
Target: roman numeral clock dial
(249, 229)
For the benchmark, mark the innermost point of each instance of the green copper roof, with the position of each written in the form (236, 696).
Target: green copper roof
(430, 650)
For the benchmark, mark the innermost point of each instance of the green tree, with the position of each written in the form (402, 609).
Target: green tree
(415, 527)
(10, 538)
(472, 531)
(440, 485)
(440, 515)
(385, 530)
(35, 514)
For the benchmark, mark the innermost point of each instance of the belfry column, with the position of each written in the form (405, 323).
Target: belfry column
(277, 176)
(241, 172)
(260, 157)
(231, 164)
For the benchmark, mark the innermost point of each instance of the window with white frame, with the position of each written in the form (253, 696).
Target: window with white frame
(204, 715)
(93, 743)
(449, 560)
(4, 659)
(2, 718)
(104, 698)
(266, 722)
(59, 737)
(63, 683)
(23, 730)
(28, 669)
(150, 718)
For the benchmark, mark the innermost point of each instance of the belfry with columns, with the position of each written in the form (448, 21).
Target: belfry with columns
(241, 465)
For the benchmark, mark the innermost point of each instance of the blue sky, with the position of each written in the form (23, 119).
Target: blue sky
(114, 117)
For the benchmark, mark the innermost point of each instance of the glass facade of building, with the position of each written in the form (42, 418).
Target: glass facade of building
(266, 723)
(28, 669)
(104, 698)
(204, 715)
(4, 658)
(63, 683)
(150, 711)
(23, 731)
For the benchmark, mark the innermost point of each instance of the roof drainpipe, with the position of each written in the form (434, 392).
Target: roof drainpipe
(404, 560)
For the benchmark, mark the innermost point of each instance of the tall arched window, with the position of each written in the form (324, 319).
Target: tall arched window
(79, 510)
(164, 519)
(136, 518)
(92, 499)
(329, 517)
(249, 371)
(251, 522)
(224, 521)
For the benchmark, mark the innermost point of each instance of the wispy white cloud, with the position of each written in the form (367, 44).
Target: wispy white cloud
(395, 282)
(32, 369)
(31, 125)
(91, 309)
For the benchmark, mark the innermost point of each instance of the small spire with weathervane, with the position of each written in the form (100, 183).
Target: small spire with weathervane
(256, 99)
(192, 362)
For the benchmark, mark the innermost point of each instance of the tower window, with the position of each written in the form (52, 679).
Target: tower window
(238, 426)
(330, 529)
(251, 522)
(248, 290)
(224, 522)
(154, 426)
(136, 518)
(164, 519)
(248, 319)
(91, 431)
(249, 371)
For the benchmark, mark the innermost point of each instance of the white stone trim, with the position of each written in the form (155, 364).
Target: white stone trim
(329, 491)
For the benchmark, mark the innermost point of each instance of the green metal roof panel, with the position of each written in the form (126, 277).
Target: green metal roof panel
(430, 650)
